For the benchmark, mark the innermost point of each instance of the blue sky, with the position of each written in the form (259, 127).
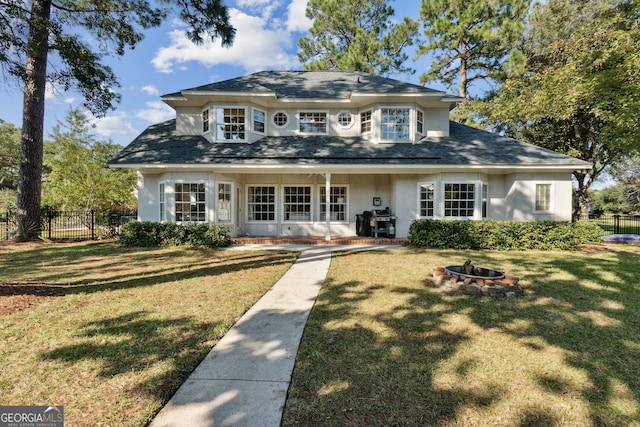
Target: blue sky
(165, 62)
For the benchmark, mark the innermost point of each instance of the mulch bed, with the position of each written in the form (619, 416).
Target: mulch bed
(18, 296)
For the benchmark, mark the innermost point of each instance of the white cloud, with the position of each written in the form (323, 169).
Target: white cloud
(296, 16)
(157, 112)
(261, 42)
(150, 90)
(114, 124)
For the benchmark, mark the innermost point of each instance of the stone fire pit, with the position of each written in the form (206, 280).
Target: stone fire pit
(471, 280)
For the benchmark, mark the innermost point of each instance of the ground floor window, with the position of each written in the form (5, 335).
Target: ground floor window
(459, 200)
(162, 203)
(297, 203)
(543, 197)
(485, 200)
(261, 203)
(337, 203)
(190, 202)
(223, 210)
(427, 200)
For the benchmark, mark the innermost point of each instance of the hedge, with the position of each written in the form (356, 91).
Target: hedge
(147, 233)
(503, 235)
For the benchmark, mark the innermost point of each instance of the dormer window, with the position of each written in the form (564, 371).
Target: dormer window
(205, 121)
(420, 122)
(344, 119)
(258, 121)
(313, 122)
(280, 119)
(395, 124)
(231, 124)
(365, 121)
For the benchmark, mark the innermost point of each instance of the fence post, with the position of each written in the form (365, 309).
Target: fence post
(50, 223)
(93, 226)
(616, 224)
(6, 225)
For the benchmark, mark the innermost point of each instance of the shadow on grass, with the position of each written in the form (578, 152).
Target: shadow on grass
(408, 362)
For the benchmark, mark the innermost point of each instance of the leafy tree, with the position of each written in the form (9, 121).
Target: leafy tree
(74, 35)
(77, 173)
(579, 92)
(627, 172)
(471, 39)
(9, 155)
(355, 35)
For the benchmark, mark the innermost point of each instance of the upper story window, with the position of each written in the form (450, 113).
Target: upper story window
(344, 119)
(205, 120)
(280, 119)
(365, 121)
(395, 123)
(313, 122)
(258, 121)
(231, 124)
(420, 122)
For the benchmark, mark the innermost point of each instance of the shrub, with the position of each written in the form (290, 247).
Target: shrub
(503, 235)
(147, 233)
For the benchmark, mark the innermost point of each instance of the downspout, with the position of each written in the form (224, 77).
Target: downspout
(327, 211)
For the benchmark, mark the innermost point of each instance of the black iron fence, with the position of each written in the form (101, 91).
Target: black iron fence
(71, 225)
(618, 224)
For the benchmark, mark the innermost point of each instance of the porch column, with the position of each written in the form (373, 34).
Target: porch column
(327, 199)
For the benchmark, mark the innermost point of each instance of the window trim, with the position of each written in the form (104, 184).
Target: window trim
(326, 121)
(162, 202)
(550, 195)
(407, 122)
(205, 116)
(484, 200)
(253, 121)
(420, 123)
(277, 113)
(231, 202)
(275, 204)
(284, 203)
(217, 108)
(368, 111)
(204, 202)
(351, 120)
(345, 203)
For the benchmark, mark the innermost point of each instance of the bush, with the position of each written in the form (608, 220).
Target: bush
(147, 233)
(503, 235)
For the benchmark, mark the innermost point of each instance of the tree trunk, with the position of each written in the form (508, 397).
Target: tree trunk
(462, 90)
(31, 145)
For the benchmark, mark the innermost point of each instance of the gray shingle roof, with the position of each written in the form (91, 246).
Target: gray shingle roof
(159, 145)
(310, 84)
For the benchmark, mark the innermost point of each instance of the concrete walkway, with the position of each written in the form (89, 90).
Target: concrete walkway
(244, 380)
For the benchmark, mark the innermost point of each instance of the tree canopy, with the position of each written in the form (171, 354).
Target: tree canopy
(9, 155)
(470, 39)
(579, 92)
(77, 175)
(355, 35)
(75, 35)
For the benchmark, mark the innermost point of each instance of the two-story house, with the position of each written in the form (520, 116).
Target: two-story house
(311, 153)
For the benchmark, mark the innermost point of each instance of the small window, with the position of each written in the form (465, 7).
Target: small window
(395, 124)
(337, 203)
(231, 124)
(427, 200)
(420, 122)
(365, 121)
(485, 200)
(280, 119)
(162, 204)
(297, 203)
(190, 203)
(258, 121)
(543, 197)
(261, 203)
(459, 200)
(344, 119)
(224, 203)
(313, 122)
(205, 121)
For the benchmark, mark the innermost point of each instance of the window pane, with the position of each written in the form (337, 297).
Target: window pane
(337, 203)
(258, 121)
(395, 124)
(459, 200)
(313, 122)
(224, 203)
(297, 203)
(230, 124)
(427, 200)
(365, 121)
(261, 203)
(543, 197)
(190, 202)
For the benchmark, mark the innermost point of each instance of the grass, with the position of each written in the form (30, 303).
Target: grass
(382, 347)
(131, 326)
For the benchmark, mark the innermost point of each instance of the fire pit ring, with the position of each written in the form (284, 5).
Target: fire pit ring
(476, 273)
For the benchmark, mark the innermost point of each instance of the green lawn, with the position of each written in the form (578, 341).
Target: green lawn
(383, 347)
(131, 326)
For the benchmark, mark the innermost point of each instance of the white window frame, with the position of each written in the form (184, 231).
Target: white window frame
(366, 120)
(334, 203)
(280, 113)
(219, 207)
(162, 203)
(254, 121)
(289, 215)
(484, 200)
(428, 187)
(206, 120)
(406, 122)
(313, 112)
(191, 202)
(549, 194)
(474, 200)
(273, 202)
(243, 128)
(341, 115)
(419, 121)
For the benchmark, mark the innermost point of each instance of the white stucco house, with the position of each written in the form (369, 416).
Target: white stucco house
(312, 153)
